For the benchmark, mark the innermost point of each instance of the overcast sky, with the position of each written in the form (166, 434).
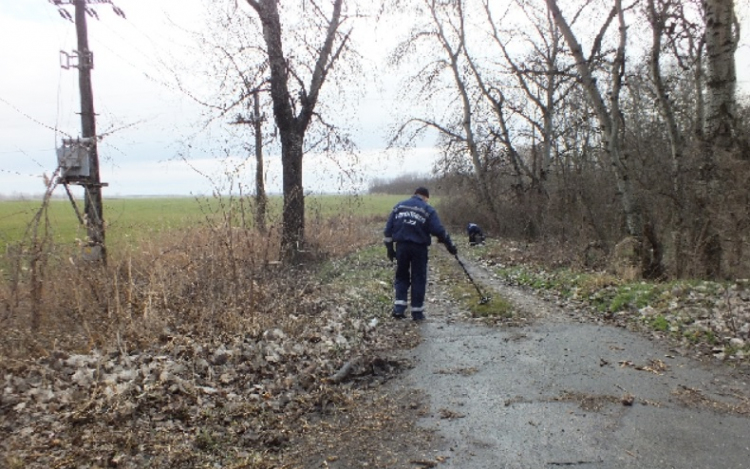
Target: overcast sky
(151, 122)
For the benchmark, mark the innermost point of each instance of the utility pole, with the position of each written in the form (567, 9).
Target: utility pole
(261, 200)
(79, 158)
(93, 187)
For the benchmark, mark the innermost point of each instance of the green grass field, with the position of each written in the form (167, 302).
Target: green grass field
(131, 219)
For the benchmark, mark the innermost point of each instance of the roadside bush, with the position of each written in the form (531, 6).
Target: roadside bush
(212, 279)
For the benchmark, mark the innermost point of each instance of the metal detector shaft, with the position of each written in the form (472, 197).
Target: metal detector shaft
(484, 299)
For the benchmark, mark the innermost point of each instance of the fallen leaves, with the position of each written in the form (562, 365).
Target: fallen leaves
(627, 399)
(734, 404)
(208, 396)
(204, 399)
(462, 371)
(587, 402)
(450, 414)
(655, 366)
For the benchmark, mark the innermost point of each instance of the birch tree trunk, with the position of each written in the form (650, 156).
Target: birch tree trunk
(609, 117)
(721, 44)
(719, 127)
(454, 53)
(658, 18)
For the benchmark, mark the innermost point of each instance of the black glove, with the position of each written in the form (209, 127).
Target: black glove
(391, 251)
(451, 248)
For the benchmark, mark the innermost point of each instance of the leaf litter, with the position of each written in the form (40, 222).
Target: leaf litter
(305, 392)
(309, 394)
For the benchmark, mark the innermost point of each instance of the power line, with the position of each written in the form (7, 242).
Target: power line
(32, 119)
(8, 152)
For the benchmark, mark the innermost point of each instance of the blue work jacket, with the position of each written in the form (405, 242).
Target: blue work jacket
(473, 228)
(414, 221)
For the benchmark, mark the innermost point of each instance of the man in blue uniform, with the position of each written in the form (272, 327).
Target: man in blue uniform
(410, 226)
(476, 236)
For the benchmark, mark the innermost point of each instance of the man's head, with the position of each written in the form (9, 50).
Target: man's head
(423, 192)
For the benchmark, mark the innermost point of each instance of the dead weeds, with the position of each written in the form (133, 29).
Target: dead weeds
(198, 349)
(732, 404)
(591, 402)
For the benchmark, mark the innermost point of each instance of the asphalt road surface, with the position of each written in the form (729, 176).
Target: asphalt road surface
(564, 393)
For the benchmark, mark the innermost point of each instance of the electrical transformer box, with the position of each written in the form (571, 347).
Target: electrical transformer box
(73, 159)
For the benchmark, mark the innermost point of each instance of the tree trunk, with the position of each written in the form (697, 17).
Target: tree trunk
(466, 123)
(610, 123)
(292, 127)
(293, 217)
(609, 119)
(291, 154)
(676, 140)
(261, 200)
(721, 44)
(719, 129)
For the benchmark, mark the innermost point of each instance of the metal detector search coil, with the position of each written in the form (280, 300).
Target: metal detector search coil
(483, 299)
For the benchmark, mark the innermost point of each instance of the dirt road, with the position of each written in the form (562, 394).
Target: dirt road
(564, 392)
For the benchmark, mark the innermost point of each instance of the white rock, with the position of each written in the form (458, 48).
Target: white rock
(341, 340)
(201, 366)
(122, 388)
(127, 375)
(79, 361)
(42, 395)
(226, 378)
(274, 334)
(736, 342)
(109, 380)
(83, 377)
(27, 431)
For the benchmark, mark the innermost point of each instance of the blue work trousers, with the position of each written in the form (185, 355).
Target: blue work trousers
(411, 270)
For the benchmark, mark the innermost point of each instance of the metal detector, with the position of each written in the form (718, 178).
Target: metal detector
(482, 298)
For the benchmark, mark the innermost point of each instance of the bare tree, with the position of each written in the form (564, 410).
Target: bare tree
(611, 122)
(294, 112)
(445, 25)
(719, 130)
(255, 119)
(543, 87)
(658, 14)
(707, 48)
(538, 75)
(236, 68)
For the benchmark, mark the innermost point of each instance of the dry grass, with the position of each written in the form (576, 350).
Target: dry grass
(210, 280)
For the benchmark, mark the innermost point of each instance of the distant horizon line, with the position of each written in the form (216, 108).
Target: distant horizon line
(39, 196)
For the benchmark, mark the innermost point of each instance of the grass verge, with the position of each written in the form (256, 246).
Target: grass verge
(497, 309)
(711, 316)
